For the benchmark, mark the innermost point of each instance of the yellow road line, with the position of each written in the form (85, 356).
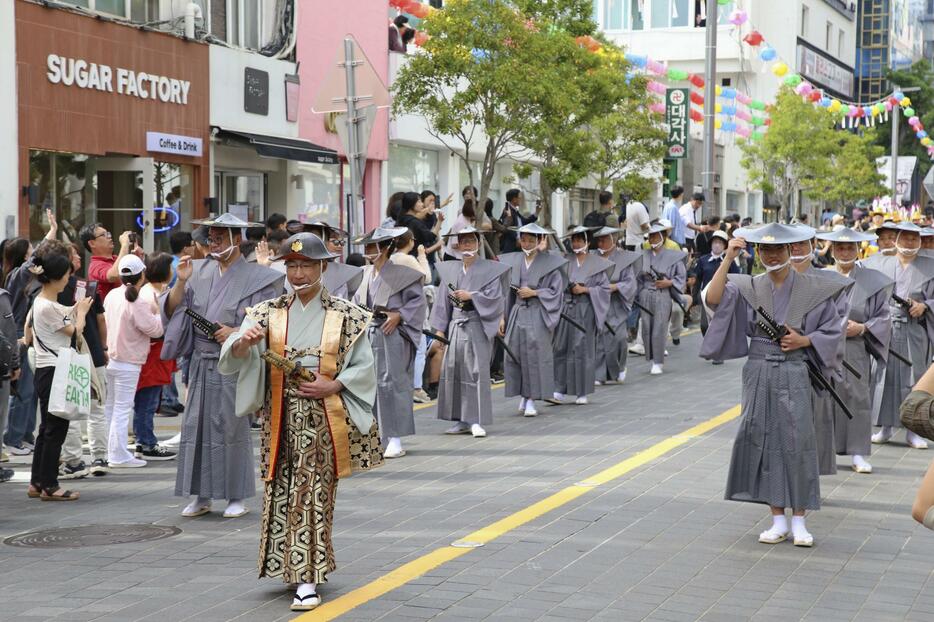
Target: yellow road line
(418, 567)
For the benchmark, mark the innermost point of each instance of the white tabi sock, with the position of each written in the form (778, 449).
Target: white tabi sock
(622, 377)
(798, 529)
(394, 445)
(304, 589)
(779, 523)
(522, 402)
(915, 441)
(860, 463)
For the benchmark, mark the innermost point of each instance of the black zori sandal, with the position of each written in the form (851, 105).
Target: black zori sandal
(48, 494)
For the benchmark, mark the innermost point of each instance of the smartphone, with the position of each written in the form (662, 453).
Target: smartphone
(91, 289)
(81, 288)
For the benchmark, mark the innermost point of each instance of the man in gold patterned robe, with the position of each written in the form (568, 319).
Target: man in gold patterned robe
(314, 431)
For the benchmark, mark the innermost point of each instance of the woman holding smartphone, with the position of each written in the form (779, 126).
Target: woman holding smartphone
(50, 326)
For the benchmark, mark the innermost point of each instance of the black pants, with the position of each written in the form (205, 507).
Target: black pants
(51, 435)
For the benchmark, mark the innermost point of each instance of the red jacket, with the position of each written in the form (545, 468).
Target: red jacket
(156, 372)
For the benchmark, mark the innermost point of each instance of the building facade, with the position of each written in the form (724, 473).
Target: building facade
(10, 186)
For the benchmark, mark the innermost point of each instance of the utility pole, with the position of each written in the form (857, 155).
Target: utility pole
(353, 153)
(896, 114)
(710, 107)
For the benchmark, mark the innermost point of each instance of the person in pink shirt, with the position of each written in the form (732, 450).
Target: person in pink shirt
(132, 320)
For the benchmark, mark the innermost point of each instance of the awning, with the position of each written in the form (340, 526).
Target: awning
(285, 148)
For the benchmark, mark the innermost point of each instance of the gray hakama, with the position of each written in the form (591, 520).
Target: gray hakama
(868, 306)
(671, 263)
(215, 455)
(394, 288)
(612, 350)
(464, 390)
(774, 457)
(530, 324)
(824, 410)
(342, 280)
(910, 336)
(576, 351)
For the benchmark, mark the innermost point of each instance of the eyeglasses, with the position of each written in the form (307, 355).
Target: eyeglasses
(107, 234)
(300, 267)
(337, 241)
(214, 241)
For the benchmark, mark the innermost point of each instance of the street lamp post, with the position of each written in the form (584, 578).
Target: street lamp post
(710, 102)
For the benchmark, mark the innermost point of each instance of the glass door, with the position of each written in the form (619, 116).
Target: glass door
(123, 197)
(242, 194)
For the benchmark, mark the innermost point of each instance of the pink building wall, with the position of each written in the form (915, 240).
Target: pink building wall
(320, 38)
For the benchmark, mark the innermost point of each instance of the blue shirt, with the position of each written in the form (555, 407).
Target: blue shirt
(672, 214)
(706, 266)
(174, 270)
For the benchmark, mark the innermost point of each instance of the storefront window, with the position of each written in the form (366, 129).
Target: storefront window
(244, 195)
(322, 188)
(173, 201)
(58, 182)
(412, 169)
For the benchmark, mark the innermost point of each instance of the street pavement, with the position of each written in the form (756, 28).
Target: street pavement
(656, 541)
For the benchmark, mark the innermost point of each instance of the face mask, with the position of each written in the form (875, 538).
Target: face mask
(908, 252)
(889, 251)
(371, 257)
(801, 258)
(528, 253)
(778, 267)
(223, 256)
(469, 253)
(602, 252)
(846, 263)
(659, 245)
(580, 251)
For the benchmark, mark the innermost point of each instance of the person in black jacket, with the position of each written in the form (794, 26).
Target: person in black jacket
(512, 218)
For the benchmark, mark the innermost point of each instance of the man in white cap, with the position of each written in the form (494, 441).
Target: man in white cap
(317, 428)
(215, 454)
(787, 326)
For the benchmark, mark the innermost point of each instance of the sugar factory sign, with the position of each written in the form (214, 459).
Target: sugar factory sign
(94, 76)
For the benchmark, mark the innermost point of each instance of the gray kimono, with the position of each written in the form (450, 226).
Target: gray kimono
(612, 350)
(576, 350)
(671, 263)
(341, 280)
(774, 457)
(394, 288)
(464, 391)
(824, 411)
(530, 323)
(869, 306)
(215, 456)
(910, 336)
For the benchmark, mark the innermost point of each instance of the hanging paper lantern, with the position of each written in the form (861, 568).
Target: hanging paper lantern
(729, 126)
(844, 109)
(913, 121)
(779, 69)
(697, 80)
(743, 99)
(724, 2)
(758, 121)
(637, 59)
(828, 103)
(697, 98)
(921, 135)
(729, 109)
(738, 17)
(909, 112)
(728, 93)
(718, 124)
(767, 122)
(744, 115)
(656, 87)
(718, 90)
(657, 108)
(792, 79)
(867, 112)
(905, 102)
(656, 67)
(888, 105)
(753, 38)
(768, 54)
(677, 75)
(718, 108)
(805, 88)
(696, 116)
(743, 131)
(410, 6)
(421, 38)
(757, 105)
(898, 96)
(814, 97)
(758, 135)
(419, 10)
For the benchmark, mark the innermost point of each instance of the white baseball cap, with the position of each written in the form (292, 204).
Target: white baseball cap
(130, 265)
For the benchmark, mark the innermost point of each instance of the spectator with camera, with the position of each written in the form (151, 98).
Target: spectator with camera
(103, 267)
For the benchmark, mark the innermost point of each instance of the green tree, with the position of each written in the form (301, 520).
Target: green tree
(795, 154)
(918, 75)
(479, 83)
(854, 175)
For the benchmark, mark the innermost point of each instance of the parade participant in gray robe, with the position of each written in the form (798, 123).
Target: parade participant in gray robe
(867, 333)
(316, 429)
(586, 303)
(802, 260)
(532, 310)
(215, 455)
(912, 329)
(927, 242)
(613, 349)
(479, 286)
(886, 233)
(394, 293)
(656, 294)
(774, 459)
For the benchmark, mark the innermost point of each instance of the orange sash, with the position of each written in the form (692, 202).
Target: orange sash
(335, 414)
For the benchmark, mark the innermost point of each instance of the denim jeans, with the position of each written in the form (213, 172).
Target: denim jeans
(147, 401)
(170, 394)
(22, 419)
(420, 362)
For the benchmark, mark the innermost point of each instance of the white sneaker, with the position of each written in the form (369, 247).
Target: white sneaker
(914, 441)
(622, 377)
(860, 465)
(637, 348)
(173, 442)
(132, 463)
(530, 409)
(458, 428)
(235, 509)
(598, 383)
(656, 369)
(394, 448)
(581, 401)
(477, 431)
(18, 451)
(522, 404)
(197, 507)
(882, 436)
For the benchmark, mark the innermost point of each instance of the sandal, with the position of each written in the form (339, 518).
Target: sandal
(34, 492)
(49, 495)
(305, 603)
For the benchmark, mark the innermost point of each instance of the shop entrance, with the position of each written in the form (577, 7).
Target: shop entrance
(122, 185)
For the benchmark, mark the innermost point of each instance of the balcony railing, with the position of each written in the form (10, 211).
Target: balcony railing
(847, 8)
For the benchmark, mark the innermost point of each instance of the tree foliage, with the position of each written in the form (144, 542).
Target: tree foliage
(918, 75)
(853, 174)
